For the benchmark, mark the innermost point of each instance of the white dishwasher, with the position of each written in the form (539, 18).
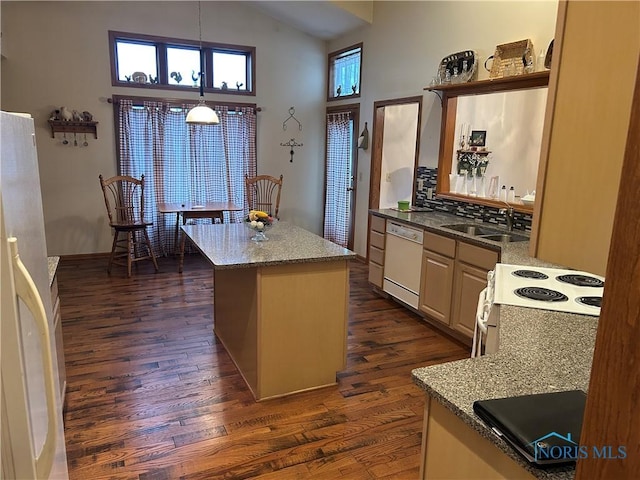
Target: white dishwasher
(403, 262)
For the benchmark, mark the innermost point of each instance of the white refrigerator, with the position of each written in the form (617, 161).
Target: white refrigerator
(32, 441)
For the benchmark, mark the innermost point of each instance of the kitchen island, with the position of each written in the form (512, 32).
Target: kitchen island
(280, 306)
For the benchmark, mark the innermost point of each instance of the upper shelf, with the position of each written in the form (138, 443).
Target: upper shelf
(515, 82)
(73, 127)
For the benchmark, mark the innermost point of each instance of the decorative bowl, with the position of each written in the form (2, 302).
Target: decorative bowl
(259, 222)
(259, 229)
(528, 200)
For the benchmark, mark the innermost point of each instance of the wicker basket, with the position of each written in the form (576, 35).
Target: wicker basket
(517, 53)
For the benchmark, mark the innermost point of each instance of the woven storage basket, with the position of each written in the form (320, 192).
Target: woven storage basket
(506, 53)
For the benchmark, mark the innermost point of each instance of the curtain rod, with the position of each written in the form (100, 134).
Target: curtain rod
(232, 106)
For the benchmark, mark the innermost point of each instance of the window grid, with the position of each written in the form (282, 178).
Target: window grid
(345, 73)
(164, 80)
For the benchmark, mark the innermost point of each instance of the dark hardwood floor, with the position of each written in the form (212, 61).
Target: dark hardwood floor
(152, 395)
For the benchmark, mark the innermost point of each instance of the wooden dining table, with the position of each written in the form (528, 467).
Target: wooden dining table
(213, 210)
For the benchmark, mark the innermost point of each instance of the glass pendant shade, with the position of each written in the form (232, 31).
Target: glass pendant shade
(202, 115)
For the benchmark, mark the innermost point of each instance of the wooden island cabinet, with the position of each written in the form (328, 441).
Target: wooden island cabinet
(280, 307)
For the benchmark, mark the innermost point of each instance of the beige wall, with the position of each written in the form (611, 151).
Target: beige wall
(404, 46)
(56, 53)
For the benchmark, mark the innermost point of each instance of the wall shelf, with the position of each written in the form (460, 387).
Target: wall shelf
(73, 127)
(515, 82)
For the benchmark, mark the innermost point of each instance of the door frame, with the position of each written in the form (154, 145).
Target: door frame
(354, 109)
(375, 174)
(376, 152)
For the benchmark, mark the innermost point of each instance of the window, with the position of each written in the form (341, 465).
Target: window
(345, 73)
(181, 162)
(145, 61)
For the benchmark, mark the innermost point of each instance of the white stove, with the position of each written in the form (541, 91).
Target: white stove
(556, 289)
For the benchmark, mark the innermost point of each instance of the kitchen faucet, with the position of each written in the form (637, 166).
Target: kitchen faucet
(508, 213)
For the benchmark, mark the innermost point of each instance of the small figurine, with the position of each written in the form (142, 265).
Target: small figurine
(153, 79)
(238, 85)
(55, 115)
(139, 77)
(87, 116)
(195, 76)
(65, 114)
(354, 88)
(128, 78)
(224, 85)
(177, 76)
(339, 90)
(76, 116)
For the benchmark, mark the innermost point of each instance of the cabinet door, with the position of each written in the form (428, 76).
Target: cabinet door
(469, 282)
(436, 285)
(57, 324)
(561, 224)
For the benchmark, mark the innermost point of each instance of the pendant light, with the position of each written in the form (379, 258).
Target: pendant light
(201, 114)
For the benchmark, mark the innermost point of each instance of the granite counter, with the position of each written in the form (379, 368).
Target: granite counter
(52, 264)
(540, 350)
(230, 246)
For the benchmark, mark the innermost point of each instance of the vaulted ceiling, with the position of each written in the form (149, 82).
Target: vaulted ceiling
(323, 19)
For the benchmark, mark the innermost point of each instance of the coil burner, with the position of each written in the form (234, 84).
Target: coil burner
(541, 294)
(530, 274)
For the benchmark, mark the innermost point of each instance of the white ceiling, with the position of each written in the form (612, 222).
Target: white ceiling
(320, 19)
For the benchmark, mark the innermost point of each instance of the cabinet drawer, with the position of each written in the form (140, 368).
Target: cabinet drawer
(375, 274)
(378, 224)
(439, 244)
(376, 255)
(478, 256)
(377, 240)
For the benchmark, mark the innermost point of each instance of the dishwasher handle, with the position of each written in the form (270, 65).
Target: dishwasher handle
(403, 231)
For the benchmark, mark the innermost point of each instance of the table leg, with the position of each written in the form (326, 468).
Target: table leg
(175, 234)
(183, 240)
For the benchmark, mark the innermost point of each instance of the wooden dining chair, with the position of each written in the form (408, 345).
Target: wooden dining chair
(263, 193)
(124, 199)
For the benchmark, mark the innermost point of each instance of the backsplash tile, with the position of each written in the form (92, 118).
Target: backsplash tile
(429, 176)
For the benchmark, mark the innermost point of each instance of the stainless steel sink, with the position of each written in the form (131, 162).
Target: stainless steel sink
(506, 237)
(471, 229)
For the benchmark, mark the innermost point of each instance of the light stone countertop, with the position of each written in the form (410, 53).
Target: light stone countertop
(230, 245)
(53, 267)
(539, 350)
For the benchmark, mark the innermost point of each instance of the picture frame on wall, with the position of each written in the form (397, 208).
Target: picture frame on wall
(478, 138)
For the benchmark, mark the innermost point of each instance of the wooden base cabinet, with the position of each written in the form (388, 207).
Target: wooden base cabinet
(452, 450)
(472, 265)
(376, 250)
(436, 281)
(453, 275)
(57, 324)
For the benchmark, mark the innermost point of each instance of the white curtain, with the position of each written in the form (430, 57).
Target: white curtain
(185, 163)
(337, 208)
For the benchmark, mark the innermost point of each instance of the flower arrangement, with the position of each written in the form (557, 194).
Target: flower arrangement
(472, 164)
(258, 220)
